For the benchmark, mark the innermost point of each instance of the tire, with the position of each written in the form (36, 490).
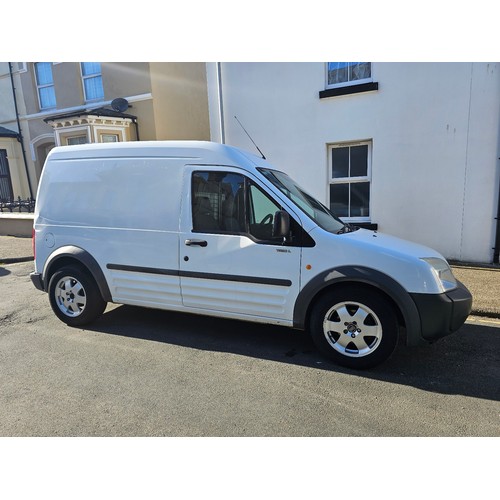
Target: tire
(75, 297)
(354, 327)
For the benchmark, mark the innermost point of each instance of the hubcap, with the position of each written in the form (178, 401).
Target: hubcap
(70, 296)
(352, 329)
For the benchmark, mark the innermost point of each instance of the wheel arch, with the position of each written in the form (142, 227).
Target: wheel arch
(336, 278)
(72, 255)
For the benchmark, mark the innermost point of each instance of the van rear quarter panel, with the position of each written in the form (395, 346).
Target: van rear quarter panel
(120, 210)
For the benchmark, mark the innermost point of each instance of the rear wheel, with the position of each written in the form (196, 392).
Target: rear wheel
(75, 297)
(354, 327)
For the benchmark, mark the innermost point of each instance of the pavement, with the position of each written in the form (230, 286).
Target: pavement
(15, 249)
(483, 280)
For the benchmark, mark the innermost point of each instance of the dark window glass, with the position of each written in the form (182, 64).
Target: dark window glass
(6, 193)
(339, 199)
(359, 161)
(360, 199)
(340, 162)
(350, 200)
(218, 202)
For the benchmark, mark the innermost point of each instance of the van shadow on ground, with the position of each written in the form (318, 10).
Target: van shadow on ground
(466, 362)
(3, 271)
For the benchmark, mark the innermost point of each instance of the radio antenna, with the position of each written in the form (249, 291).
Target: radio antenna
(262, 154)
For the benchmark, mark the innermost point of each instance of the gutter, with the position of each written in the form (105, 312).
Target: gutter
(221, 106)
(20, 137)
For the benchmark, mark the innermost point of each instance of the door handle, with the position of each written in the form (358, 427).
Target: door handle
(196, 243)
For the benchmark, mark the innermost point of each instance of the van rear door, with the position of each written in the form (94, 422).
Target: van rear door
(229, 260)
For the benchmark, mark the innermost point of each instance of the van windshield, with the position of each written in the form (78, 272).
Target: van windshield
(312, 207)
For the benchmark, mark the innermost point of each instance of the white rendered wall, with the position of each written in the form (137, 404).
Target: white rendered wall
(435, 129)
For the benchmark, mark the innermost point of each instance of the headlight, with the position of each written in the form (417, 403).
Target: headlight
(442, 272)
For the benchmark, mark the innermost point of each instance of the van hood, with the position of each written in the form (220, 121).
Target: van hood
(397, 258)
(390, 245)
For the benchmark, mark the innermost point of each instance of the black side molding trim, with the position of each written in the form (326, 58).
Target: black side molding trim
(140, 269)
(207, 276)
(234, 277)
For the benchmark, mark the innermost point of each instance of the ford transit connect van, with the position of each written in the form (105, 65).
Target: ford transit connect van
(209, 229)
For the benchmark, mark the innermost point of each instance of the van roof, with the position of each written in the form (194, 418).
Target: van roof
(209, 152)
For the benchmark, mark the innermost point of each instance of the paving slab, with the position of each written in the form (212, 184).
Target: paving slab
(484, 284)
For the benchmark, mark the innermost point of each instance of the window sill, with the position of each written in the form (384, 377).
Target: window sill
(365, 225)
(349, 89)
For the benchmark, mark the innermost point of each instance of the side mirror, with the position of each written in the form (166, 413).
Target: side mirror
(281, 225)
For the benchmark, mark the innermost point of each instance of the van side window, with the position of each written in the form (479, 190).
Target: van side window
(260, 217)
(229, 203)
(261, 214)
(218, 202)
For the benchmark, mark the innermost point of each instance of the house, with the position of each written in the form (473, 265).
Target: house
(45, 104)
(410, 149)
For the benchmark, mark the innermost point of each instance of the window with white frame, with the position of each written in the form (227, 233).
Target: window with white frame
(21, 67)
(92, 81)
(45, 85)
(350, 173)
(77, 139)
(340, 74)
(109, 138)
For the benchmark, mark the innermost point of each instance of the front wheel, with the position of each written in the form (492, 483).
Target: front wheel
(354, 327)
(75, 297)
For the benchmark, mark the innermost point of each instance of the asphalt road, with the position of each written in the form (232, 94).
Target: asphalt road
(141, 372)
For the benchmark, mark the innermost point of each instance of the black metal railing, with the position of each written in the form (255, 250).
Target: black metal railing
(18, 205)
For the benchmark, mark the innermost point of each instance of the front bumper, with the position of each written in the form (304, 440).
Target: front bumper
(442, 314)
(36, 279)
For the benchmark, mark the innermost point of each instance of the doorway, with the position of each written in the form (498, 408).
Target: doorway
(6, 191)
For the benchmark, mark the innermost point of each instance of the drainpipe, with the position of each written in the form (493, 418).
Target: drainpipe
(20, 137)
(221, 107)
(496, 250)
(134, 121)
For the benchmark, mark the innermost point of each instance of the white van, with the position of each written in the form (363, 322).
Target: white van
(209, 229)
